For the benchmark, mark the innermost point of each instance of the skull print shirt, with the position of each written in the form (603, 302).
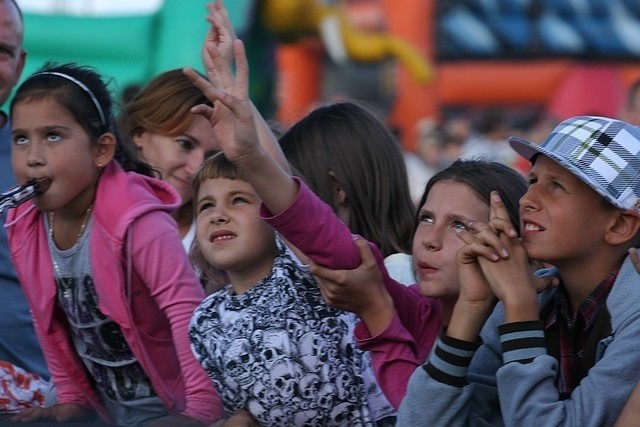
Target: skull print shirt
(280, 352)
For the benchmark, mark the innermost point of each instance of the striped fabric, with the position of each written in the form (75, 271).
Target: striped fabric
(522, 341)
(450, 360)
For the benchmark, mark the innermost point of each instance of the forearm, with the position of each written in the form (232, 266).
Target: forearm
(268, 140)
(312, 227)
(271, 182)
(378, 314)
(439, 394)
(467, 320)
(395, 356)
(521, 310)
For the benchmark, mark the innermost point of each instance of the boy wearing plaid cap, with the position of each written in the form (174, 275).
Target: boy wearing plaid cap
(570, 355)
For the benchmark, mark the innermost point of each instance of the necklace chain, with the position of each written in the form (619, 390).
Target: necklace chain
(85, 219)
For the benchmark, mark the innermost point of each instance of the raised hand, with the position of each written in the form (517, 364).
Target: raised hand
(61, 413)
(240, 139)
(361, 291)
(236, 127)
(222, 37)
(221, 33)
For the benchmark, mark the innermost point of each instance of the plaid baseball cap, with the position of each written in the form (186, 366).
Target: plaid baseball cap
(602, 152)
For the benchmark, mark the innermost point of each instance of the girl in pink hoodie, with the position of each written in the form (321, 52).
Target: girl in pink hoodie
(101, 263)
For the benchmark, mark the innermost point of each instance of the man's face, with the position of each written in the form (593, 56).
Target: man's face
(12, 56)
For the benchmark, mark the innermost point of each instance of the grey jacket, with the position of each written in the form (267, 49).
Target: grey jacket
(500, 389)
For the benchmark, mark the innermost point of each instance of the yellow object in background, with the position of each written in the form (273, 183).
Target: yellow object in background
(290, 20)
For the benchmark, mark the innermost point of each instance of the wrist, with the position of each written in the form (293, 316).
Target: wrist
(521, 308)
(467, 320)
(378, 316)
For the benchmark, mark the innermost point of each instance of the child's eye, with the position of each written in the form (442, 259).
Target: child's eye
(204, 206)
(20, 140)
(425, 218)
(459, 225)
(239, 200)
(6, 52)
(53, 137)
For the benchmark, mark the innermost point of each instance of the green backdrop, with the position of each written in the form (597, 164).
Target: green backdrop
(132, 49)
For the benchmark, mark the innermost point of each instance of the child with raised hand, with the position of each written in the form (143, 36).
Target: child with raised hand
(560, 357)
(101, 263)
(453, 199)
(268, 340)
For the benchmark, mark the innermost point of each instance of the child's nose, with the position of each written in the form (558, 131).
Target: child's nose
(432, 239)
(219, 216)
(35, 155)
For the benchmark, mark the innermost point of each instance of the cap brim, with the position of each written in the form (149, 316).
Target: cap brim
(528, 150)
(523, 147)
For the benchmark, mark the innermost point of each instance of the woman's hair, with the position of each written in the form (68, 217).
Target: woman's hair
(216, 166)
(483, 177)
(162, 106)
(82, 92)
(346, 140)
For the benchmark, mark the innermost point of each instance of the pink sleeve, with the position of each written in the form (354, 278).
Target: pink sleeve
(399, 350)
(311, 225)
(177, 292)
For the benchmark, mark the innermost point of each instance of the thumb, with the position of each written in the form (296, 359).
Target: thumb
(366, 254)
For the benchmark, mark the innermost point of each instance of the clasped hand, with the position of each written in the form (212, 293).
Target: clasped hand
(493, 264)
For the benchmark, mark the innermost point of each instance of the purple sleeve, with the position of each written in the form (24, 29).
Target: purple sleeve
(405, 344)
(311, 225)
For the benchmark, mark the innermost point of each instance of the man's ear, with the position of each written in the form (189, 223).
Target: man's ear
(106, 150)
(21, 61)
(624, 229)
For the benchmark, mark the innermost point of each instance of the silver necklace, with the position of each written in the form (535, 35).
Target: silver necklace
(52, 217)
(87, 213)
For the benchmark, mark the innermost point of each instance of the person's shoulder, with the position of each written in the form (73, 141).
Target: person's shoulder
(213, 300)
(400, 268)
(623, 301)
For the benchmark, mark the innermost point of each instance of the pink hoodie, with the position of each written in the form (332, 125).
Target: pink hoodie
(144, 283)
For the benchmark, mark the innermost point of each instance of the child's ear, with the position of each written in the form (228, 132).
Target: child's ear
(339, 195)
(624, 229)
(340, 198)
(106, 150)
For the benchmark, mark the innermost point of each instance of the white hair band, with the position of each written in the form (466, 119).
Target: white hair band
(81, 86)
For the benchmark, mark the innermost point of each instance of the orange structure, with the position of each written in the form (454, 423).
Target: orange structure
(564, 87)
(312, 28)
